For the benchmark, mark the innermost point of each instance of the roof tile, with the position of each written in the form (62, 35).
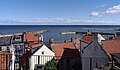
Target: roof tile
(60, 47)
(30, 36)
(87, 38)
(111, 46)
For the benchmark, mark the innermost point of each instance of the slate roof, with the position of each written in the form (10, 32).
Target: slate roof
(116, 55)
(36, 49)
(116, 37)
(5, 41)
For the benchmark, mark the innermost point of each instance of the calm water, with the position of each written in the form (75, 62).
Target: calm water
(54, 31)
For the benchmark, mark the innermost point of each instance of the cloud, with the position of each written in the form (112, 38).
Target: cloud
(113, 10)
(101, 6)
(97, 14)
(109, 11)
(54, 21)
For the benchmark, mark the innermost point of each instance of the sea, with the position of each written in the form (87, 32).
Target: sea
(55, 30)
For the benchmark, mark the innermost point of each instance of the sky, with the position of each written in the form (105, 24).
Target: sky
(59, 12)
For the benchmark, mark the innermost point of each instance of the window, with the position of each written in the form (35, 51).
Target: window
(17, 38)
(67, 63)
(8, 49)
(61, 63)
(42, 52)
(36, 35)
(35, 42)
(0, 48)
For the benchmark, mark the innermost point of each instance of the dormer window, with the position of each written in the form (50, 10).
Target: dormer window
(18, 38)
(36, 35)
(35, 42)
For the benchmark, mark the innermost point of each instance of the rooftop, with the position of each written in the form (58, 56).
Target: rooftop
(87, 39)
(60, 47)
(30, 36)
(5, 41)
(111, 46)
(36, 45)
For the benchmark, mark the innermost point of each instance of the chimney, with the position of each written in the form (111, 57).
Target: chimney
(51, 41)
(72, 39)
(76, 42)
(95, 38)
(88, 32)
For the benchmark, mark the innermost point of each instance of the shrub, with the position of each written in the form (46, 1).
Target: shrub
(51, 65)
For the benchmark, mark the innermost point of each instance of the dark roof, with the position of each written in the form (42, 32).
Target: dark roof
(116, 55)
(117, 37)
(5, 41)
(36, 49)
(70, 53)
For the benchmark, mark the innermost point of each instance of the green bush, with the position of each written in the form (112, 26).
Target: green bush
(51, 65)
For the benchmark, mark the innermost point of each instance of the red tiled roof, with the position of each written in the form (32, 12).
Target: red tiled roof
(87, 38)
(30, 36)
(60, 47)
(111, 46)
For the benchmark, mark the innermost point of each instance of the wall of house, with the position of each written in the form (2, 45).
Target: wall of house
(4, 57)
(4, 48)
(83, 44)
(42, 56)
(70, 63)
(93, 56)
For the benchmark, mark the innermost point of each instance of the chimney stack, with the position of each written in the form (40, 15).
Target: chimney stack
(88, 32)
(76, 42)
(51, 41)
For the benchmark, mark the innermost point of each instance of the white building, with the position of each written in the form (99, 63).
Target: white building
(40, 56)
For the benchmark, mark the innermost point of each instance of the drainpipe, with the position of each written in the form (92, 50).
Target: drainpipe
(112, 61)
(13, 61)
(80, 56)
(12, 66)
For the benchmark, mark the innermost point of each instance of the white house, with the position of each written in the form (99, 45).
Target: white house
(40, 56)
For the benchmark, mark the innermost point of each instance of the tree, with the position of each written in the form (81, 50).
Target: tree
(51, 65)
